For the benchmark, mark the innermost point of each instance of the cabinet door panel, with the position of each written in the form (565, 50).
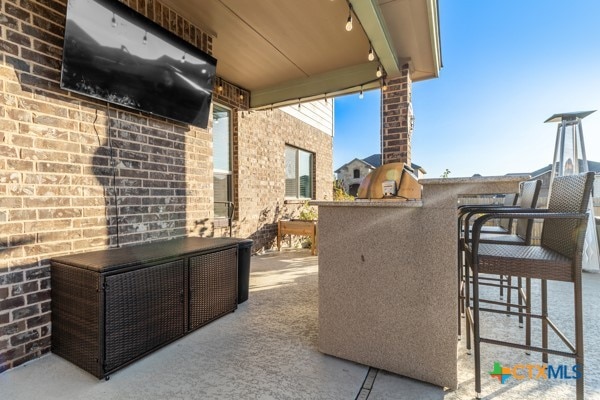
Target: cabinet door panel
(144, 310)
(75, 316)
(213, 286)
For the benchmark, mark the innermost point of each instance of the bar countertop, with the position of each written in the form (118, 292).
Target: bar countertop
(393, 203)
(477, 180)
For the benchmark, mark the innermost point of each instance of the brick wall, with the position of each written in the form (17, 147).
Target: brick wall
(261, 182)
(396, 119)
(77, 174)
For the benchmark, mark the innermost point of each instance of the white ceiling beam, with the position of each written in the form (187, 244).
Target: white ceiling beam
(369, 14)
(434, 34)
(332, 83)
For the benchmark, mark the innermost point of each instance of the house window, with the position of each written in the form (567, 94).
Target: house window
(222, 161)
(298, 173)
(356, 173)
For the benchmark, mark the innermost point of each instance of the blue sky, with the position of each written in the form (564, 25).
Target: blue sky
(508, 66)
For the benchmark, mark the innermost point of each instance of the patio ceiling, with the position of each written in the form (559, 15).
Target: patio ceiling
(286, 50)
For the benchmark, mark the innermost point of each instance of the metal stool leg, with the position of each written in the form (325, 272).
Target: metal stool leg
(508, 292)
(544, 319)
(476, 340)
(461, 308)
(520, 294)
(579, 335)
(469, 315)
(528, 314)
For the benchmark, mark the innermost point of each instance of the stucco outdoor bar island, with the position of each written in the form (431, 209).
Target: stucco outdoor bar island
(388, 279)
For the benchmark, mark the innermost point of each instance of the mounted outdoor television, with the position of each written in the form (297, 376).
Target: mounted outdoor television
(115, 54)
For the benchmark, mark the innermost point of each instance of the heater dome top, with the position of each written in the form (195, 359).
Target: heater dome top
(569, 116)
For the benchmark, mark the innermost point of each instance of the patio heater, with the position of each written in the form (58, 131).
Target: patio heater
(570, 159)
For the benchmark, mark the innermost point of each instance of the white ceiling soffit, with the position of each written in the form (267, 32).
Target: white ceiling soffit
(286, 50)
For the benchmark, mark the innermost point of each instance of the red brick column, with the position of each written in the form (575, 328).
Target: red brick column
(396, 119)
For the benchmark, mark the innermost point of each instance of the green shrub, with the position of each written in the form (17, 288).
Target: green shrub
(308, 213)
(339, 194)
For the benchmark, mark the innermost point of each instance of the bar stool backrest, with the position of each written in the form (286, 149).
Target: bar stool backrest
(529, 193)
(569, 194)
(510, 199)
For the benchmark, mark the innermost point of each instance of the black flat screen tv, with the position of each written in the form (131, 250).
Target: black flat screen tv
(115, 54)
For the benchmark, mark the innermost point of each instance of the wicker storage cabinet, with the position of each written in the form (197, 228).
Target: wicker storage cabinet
(111, 307)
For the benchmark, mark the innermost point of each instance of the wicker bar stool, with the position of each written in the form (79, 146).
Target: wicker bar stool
(529, 193)
(504, 225)
(557, 258)
(528, 196)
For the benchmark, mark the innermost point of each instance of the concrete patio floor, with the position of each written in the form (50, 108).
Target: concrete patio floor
(268, 349)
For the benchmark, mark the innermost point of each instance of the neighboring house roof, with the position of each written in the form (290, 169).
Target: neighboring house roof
(350, 162)
(374, 161)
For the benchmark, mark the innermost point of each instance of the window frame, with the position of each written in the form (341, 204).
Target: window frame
(217, 172)
(297, 151)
